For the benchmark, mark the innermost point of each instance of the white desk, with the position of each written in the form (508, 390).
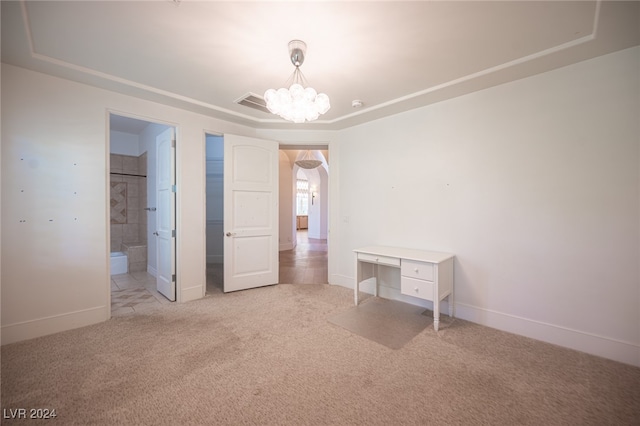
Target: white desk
(427, 275)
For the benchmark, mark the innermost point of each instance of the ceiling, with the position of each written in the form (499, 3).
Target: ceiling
(393, 56)
(127, 124)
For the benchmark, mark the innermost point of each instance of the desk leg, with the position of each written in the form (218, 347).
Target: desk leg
(375, 273)
(451, 305)
(357, 284)
(436, 314)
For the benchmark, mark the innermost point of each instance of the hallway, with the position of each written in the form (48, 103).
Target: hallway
(306, 263)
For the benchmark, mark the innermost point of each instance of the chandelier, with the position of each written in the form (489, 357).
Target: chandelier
(298, 103)
(308, 161)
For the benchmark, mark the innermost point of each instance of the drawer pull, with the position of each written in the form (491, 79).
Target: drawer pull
(416, 289)
(416, 270)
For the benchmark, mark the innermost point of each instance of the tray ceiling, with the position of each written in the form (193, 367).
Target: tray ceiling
(393, 56)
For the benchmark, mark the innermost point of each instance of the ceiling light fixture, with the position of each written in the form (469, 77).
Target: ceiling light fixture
(308, 161)
(297, 103)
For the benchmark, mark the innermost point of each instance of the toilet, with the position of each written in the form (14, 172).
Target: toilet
(118, 263)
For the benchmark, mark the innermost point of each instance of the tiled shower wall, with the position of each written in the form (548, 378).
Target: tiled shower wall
(128, 201)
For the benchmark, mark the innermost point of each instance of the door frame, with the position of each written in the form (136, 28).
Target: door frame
(282, 145)
(108, 113)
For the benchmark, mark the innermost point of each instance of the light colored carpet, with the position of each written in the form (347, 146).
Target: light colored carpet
(269, 356)
(388, 322)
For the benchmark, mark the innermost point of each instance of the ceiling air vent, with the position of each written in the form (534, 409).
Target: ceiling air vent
(254, 101)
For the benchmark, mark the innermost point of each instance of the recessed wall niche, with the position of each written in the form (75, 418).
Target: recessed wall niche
(118, 202)
(128, 199)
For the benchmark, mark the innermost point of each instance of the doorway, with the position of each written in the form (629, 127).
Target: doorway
(304, 216)
(302, 254)
(242, 210)
(134, 209)
(214, 157)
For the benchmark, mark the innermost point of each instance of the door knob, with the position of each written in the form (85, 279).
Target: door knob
(156, 233)
(230, 234)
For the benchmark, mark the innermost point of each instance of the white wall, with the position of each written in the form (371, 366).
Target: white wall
(54, 210)
(318, 212)
(55, 242)
(533, 185)
(124, 143)
(286, 209)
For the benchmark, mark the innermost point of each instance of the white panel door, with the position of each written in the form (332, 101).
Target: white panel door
(166, 215)
(250, 212)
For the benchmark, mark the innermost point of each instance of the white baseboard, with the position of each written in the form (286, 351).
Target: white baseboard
(39, 327)
(341, 280)
(617, 350)
(285, 246)
(191, 293)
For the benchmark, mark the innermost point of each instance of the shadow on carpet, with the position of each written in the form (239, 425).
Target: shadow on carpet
(388, 322)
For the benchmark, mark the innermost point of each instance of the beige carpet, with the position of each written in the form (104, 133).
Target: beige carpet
(270, 356)
(388, 322)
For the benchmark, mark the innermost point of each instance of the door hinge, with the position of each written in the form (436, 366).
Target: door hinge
(173, 233)
(174, 188)
(173, 143)
(173, 278)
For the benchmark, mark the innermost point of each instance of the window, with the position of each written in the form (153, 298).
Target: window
(302, 197)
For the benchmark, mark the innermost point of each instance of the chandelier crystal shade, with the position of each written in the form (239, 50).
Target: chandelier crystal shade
(297, 103)
(308, 161)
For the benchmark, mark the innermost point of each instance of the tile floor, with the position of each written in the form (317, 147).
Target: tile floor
(134, 292)
(305, 264)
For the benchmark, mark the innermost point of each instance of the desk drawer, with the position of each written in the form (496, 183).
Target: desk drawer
(382, 260)
(416, 288)
(418, 270)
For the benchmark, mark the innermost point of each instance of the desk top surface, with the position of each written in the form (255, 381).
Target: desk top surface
(405, 253)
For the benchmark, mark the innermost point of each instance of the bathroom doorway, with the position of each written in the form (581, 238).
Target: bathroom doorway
(136, 213)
